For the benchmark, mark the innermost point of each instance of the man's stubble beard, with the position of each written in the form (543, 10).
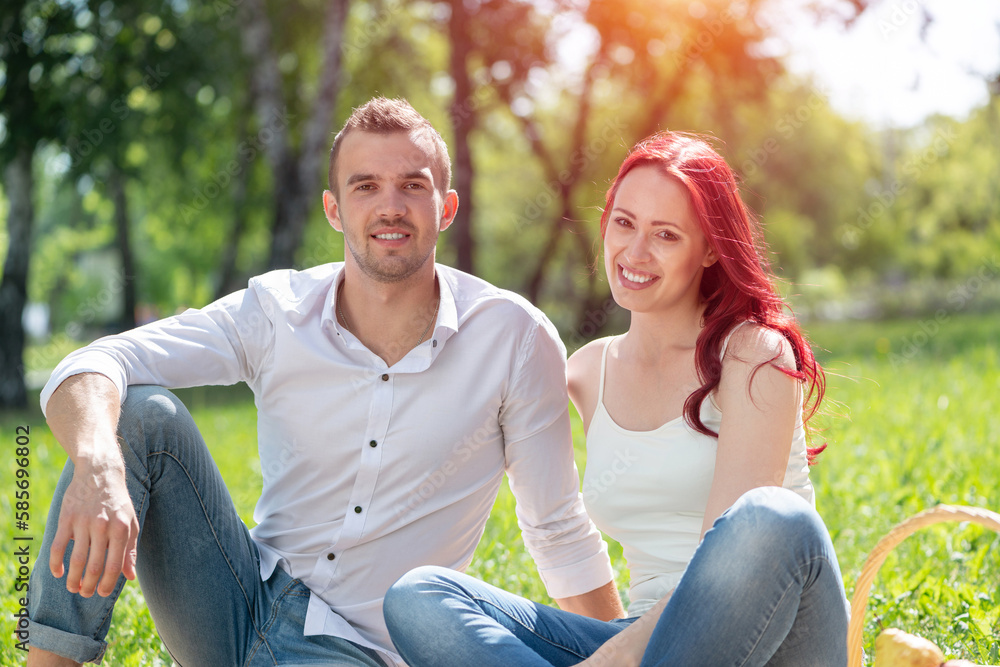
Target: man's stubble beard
(382, 270)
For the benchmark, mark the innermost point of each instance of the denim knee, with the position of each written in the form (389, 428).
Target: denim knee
(776, 514)
(151, 413)
(413, 587)
(149, 405)
(412, 596)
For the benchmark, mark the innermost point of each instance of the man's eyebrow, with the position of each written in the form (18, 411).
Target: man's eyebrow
(356, 178)
(409, 176)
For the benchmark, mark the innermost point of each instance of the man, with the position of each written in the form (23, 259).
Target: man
(392, 394)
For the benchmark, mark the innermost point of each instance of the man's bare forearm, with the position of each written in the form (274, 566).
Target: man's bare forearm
(83, 415)
(602, 603)
(96, 512)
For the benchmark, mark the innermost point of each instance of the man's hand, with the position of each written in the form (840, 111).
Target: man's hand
(97, 514)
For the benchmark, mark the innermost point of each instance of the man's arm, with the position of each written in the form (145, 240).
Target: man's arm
(602, 603)
(96, 512)
(567, 548)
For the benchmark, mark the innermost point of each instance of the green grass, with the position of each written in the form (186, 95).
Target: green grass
(911, 421)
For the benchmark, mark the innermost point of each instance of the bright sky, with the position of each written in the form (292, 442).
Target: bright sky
(881, 71)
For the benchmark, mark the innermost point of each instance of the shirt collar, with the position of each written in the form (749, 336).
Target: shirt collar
(329, 316)
(447, 309)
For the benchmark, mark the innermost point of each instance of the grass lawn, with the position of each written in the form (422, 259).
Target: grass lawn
(911, 421)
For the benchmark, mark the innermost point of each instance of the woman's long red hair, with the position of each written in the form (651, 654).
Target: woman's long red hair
(737, 287)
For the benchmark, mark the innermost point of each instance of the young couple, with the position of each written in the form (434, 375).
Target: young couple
(361, 374)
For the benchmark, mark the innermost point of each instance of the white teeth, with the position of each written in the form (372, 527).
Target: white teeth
(390, 237)
(631, 277)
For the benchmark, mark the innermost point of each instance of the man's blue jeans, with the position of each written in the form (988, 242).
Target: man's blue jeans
(763, 588)
(198, 567)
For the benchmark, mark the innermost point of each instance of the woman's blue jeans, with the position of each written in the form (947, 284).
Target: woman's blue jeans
(763, 588)
(198, 567)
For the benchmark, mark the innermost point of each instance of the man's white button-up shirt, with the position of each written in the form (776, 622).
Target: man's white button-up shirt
(370, 470)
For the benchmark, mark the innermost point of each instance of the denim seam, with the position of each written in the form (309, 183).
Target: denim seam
(215, 536)
(548, 641)
(770, 618)
(262, 640)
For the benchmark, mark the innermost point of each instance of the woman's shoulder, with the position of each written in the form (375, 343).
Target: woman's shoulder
(754, 344)
(586, 361)
(583, 372)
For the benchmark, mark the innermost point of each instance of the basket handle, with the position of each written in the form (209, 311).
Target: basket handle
(862, 589)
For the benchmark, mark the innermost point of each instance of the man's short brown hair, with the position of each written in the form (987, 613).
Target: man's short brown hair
(381, 115)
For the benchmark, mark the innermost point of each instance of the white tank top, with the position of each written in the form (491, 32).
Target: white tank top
(649, 489)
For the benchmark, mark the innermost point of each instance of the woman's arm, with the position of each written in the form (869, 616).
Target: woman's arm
(627, 647)
(583, 377)
(760, 405)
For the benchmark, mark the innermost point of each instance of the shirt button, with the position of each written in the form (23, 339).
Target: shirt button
(357, 509)
(330, 556)
(434, 343)
(373, 444)
(385, 377)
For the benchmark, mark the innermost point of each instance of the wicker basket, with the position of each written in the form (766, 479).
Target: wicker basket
(878, 555)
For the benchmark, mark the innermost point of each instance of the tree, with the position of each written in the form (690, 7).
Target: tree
(656, 53)
(463, 116)
(297, 171)
(32, 115)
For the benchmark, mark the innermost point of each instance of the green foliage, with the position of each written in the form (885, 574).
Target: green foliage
(917, 431)
(909, 424)
(163, 94)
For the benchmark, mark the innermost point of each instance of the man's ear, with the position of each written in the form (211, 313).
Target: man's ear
(332, 211)
(450, 209)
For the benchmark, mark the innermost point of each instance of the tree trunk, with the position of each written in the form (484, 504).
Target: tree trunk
(564, 182)
(116, 184)
(231, 251)
(19, 185)
(463, 120)
(313, 158)
(297, 176)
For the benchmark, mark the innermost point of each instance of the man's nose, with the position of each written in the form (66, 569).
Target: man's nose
(390, 204)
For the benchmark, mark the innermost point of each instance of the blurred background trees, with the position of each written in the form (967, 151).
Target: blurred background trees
(156, 154)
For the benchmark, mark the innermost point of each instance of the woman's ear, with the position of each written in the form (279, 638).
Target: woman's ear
(711, 257)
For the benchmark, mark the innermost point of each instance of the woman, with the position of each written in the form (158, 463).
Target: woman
(725, 501)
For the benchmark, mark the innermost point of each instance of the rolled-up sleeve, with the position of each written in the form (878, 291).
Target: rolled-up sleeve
(222, 343)
(571, 556)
